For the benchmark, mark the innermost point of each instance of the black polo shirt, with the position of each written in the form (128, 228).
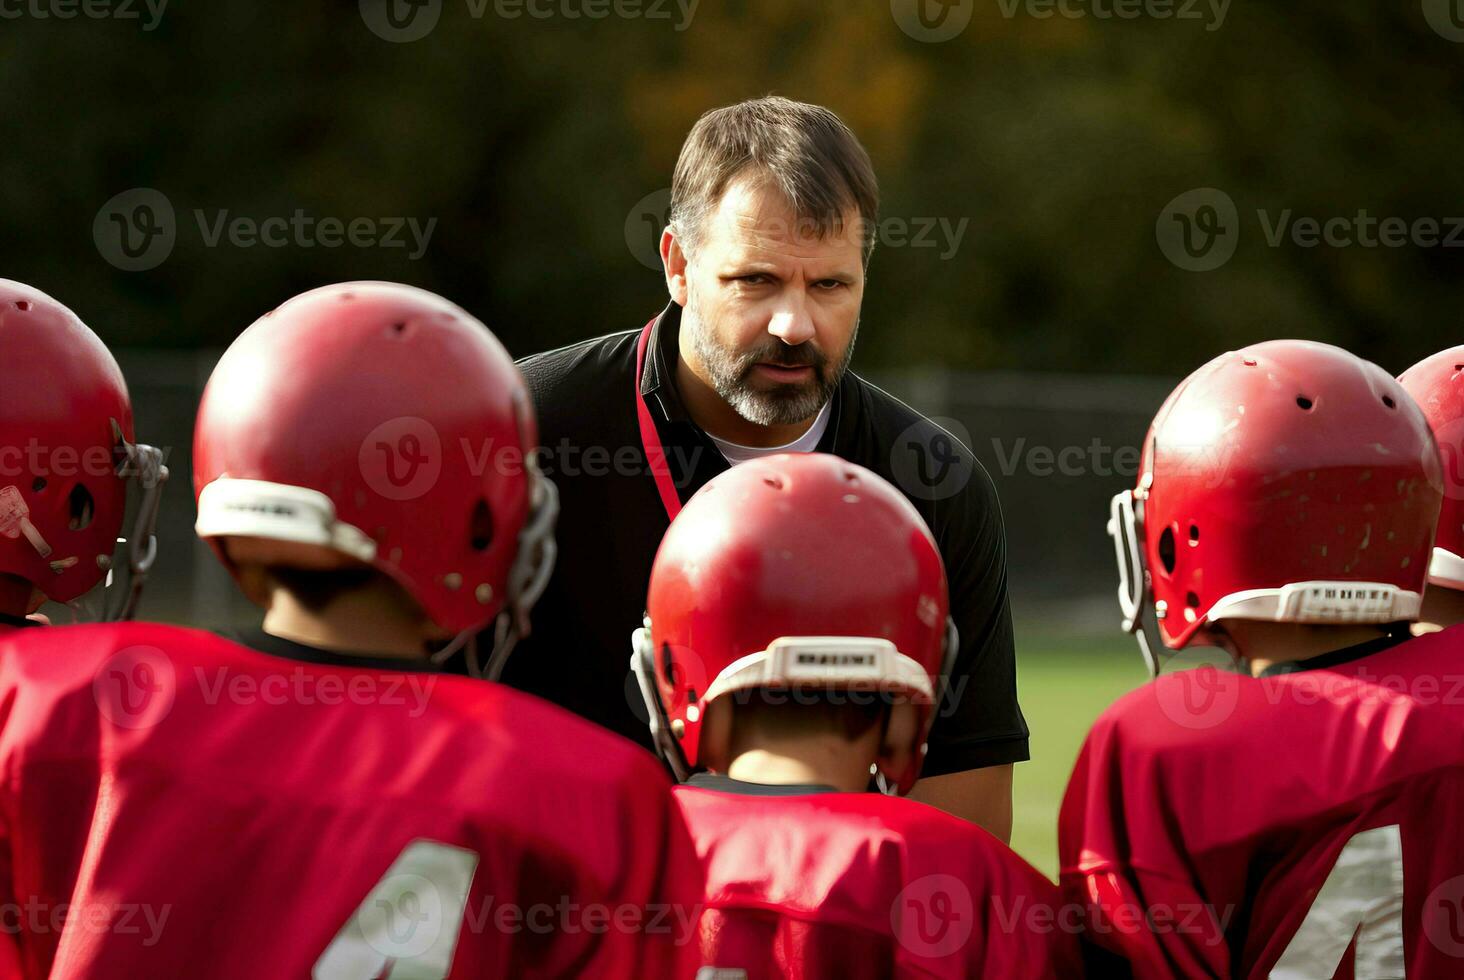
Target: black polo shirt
(612, 519)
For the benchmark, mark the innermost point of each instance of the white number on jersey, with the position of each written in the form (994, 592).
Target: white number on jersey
(1363, 896)
(409, 922)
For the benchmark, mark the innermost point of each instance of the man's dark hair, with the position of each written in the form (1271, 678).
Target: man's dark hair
(803, 150)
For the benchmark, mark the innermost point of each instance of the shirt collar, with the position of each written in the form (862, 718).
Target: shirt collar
(741, 787)
(1397, 633)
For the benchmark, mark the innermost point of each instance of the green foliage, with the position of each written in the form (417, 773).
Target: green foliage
(529, 140)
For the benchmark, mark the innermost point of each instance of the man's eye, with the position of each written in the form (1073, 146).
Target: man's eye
(755, 279)
(829, 284)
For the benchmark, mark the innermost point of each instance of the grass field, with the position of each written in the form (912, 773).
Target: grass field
(1064, 684)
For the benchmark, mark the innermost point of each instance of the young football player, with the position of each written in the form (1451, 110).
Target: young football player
(66, 459)
(1298, 817)
(311, 799)
(1437, 384)
(797, 642)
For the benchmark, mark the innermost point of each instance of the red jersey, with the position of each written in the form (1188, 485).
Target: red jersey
(1305, 824)
(175, 804)
(852, 885)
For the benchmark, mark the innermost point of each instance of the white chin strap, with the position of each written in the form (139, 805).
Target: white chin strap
(1446, 569)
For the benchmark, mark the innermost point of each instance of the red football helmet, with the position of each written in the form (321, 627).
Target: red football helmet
(66, 454)
(1289, 481)
(793, 571)
(388, 424)
(1437, 384)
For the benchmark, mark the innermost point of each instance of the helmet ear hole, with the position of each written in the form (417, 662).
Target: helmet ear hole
(81, 507)
(481, 527)
(1166, 550)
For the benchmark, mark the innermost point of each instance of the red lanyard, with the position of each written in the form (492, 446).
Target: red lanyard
(650, 438)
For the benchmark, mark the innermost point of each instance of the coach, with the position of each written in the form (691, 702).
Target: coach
(774, 205)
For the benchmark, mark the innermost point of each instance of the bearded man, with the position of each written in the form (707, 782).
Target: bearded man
(774, 211)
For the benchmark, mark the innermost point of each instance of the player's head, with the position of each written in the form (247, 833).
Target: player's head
(374, 426)
(1288, 482)
(1437, 385)
(794, 576)
(66, 456)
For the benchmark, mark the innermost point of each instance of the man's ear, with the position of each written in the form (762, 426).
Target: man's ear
(897, 750)
(673, 258)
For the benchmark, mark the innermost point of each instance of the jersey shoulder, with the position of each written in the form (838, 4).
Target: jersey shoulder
(563, 380)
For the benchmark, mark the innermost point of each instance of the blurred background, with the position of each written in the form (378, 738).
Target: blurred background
(1083, 201)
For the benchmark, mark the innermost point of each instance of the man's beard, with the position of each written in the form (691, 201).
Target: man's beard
(778, 404)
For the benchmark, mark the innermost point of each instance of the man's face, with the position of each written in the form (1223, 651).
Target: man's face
(772, 310)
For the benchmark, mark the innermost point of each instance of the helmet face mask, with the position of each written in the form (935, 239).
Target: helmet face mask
(1286, 482)
(774, 541)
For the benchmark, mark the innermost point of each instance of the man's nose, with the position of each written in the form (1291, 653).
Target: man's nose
(792, 323)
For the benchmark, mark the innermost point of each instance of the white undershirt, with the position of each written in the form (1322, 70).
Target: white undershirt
(805, 443)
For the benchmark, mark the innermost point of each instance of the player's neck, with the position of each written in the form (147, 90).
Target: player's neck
(355, 623)
(16, 596)
(1261, 645)
(824, 762)
(710, 411)
(1442, 608)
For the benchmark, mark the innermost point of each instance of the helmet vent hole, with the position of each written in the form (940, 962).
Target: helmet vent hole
(773, 482)
(1194, 534)
(1388, 401)
(1192, 600)
(38, 484)
(1166, 550)
(668, 669)
(23, 305)
(1304, 403)
(81, 507)
(481, 527)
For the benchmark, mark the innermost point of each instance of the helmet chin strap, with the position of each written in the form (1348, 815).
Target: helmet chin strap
(527, 580)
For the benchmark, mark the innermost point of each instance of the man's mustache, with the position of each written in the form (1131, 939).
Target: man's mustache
(786, 355)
